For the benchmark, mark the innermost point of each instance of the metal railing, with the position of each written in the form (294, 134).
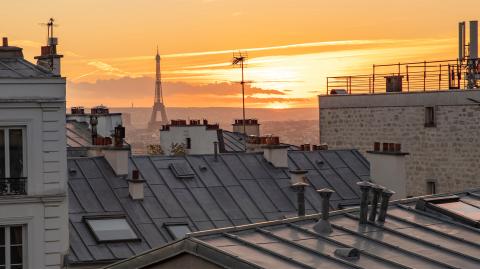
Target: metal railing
(13, 186)
(415, 76)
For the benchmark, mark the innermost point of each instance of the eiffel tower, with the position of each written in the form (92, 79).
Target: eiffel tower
(158, 104)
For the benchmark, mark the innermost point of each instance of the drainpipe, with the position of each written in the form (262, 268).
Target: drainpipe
(386, 194)
(299, 188)
(364, 188)
(323, 225)
(377, 191)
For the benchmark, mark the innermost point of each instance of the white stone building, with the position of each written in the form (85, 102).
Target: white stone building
(33, 180)
(195, 138)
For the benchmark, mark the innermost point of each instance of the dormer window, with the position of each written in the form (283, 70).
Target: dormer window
(12, 160)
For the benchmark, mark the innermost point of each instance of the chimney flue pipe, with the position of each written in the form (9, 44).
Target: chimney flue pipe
(386, 194)
(299, 188)
(364, 188)
(323, 225)
(215, 150)
(377, 191)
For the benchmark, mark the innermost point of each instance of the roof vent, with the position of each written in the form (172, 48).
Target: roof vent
(181, 170)
(347, 253)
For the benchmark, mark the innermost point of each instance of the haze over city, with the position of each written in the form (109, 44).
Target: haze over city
(109, 46)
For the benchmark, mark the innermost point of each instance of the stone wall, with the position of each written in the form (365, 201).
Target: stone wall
(447, 154)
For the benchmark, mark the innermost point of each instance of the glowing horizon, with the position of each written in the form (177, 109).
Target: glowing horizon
(109, 59)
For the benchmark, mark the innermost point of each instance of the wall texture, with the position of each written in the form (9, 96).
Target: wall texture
(447, 154)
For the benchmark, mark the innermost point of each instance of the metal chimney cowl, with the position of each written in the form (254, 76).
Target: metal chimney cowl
(323, 225)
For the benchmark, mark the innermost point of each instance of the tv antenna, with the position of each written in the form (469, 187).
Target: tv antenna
(239, 59)
(50, 24)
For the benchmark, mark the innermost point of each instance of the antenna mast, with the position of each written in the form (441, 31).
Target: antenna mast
(239, 59)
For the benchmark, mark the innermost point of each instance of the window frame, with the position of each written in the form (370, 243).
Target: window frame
(8, 245)
(188, 143)
(430, 113)
(431, 187)
(111, 217)
(6, 140)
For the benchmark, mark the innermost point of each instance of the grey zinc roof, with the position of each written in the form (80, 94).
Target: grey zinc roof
(78, 134)
(21, 68)
(231, 142)
(237, 189)
(234, 142)
(410, 238)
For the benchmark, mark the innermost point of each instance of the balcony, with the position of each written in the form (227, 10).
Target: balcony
(13, 186)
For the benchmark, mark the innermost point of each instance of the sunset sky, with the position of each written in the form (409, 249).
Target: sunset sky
(292, 45)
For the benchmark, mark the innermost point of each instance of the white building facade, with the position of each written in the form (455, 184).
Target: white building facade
(195, 138)
(33, 179)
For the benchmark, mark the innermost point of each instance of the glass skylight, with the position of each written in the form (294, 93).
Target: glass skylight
(111, 229)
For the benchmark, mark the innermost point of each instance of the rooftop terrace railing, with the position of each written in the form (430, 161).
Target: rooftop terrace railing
(13, 186)
(407, 77)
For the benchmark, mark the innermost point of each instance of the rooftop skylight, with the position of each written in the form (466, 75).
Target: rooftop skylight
(111, 229)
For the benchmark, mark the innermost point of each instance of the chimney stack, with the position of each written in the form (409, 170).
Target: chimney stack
(365, 189)
(49, 58)
(299, 188)
(276, 153)
(323, 225)
(377, 191)
(136, 186)
(5, 41)
(387, 167)
(386, 195)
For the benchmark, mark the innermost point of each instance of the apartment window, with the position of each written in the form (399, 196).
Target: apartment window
(12, 160)
(429, 116)
(189, 143)
(177, 230)
(431, 187)
(12, 251)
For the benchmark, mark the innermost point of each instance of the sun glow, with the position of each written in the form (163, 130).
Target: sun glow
(278, 105)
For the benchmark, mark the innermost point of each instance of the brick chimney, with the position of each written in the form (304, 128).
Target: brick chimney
(252, 127)
(387, 167)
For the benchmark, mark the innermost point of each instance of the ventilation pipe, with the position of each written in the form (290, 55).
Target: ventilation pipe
(93, 123)
(377, 191)
(299, 188)
(136, 186)
(365, 189)
(323, 225)
(297, 176)
(386, 195)
(215, 150)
